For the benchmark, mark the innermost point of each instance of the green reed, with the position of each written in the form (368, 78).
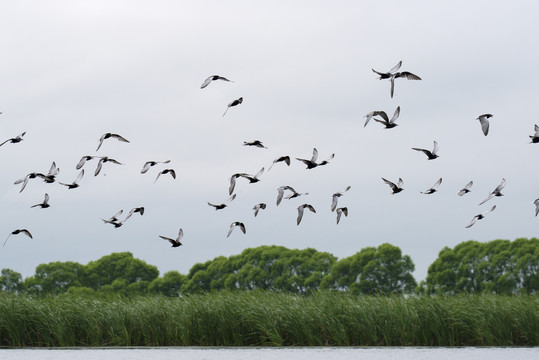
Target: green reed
(269, 319)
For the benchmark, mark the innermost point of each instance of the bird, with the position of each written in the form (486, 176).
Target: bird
(479, 217)
(108, 136)
(393, 74)
(256, 143)
(257, 208)
(83, 161)
(233, 103)
(483, 120)
(139, 210)
(340, 211)
(44, 204)
(175, 242)
(390, 73)
(166, 171)
(19, 231)
(284, 158)
(224, 205)
(280, 193)
(103, 160)
(233, 225)
(312, 163)
(51, 175)
(75, 183)
(390, 123)
(149, 164)
(465, 189)
(14, 140)
(25, 179)
(396, 188)
(432, 190)
(301, 208)
(114, 220)
(536, 203)
(495, 192)
(431, 155)
(370, 115)
(535, 137)
(213, 78)
(335, 198)
(251, 178)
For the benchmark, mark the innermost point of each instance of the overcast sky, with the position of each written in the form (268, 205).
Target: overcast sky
(74, 70)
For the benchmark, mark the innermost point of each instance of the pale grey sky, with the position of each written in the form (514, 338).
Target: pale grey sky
(74, 70)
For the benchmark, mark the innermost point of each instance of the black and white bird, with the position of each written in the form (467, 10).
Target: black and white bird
(233, 225)
(139, 210)
(536, 203)
(301, 209)
(389, 124)
(113, 220)
(257, 208)
(232, 104)
(383, 115)
(285, 159)
(109, 136)
(251, 178)
(396, 188)
(44, 204)
(432, 189)
(213, 78)
(223, 205)
(149, 164)
(25, 179)
(312, 162)
(175, 242)
(393, 74)
(535, 137)
(465, 189)
(83, 161)
(102, 160)
(166, 171)
(431, 154)
(495, 192)
(18, 231)
(51, 175)
(14, 140)
(75, 183)
(280, 193)
(483, 120)
(255, 143)
(340, 211)
(335, 197)
(479, 217)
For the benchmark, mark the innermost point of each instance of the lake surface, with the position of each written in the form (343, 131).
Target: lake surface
(310, 353)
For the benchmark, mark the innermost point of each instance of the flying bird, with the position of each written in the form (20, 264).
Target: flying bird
(213, 78)
(14, 140)
(390, 123)
(370, 115)
(393, 74)
(149, 164)
(224, 205)
(75, 183)
(139, 210)
(285, 158)
(83, 161)
(483, 120)
(233, 225)
(335, 198)
(233, 103)
(256, 143)
(301, 208)
(340, 211)
(312, 163)
(45, 203)
(280, 193)
(432, 190)
(396, 188)
(495, 192)
(175, 242)
(479, 217)
(251, 178)
(25, 179)
(257, 208)
(108, 136)
(18, 231)
(166, 171)
(431, 155)
(114, 220)
(51, 175)
(465, 189)
(535, 137)
(103, 160)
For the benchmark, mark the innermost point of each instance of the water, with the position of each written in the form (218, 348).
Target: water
(310, 353)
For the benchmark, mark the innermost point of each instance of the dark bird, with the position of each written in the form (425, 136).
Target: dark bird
(213, 78)
(286, 159)
(103, 160)
(233, 225)
(45, 203)
(149, 164)
(340, 211)
(483, 119)
(495, 192)
(256, 143)
(479, 217)
(108, 136)
(536, 203)
(390, 73)
(139, 210)
(14, 140)
(233, 103)
(258, 207)
(83, 161)
(465, 189)
(396, 188)
(114, 220)
(431, 155)
(25, 179)
(175, 243)
(335, 198)
(75, 183)
(432, 190)
(393, 74)
(382, 114)
(51, 175)
(390, 123)
(224, 205)
(280, 193)
(535, 137)
(301, 208)
(251, 178)
(312, 163)
(18, 231)
(166, 171)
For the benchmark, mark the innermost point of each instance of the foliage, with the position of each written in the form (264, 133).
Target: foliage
(10, 281)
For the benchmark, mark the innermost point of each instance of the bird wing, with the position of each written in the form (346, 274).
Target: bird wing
(146, 167)
(259, 173)
(230, 199)
(119, 137)
(435, 149)
(490, 196)
(300, 213)
(409, 76)
(484, 125)
(24, 182)
(242, 227)
(339, 213)
(381, 121)
(82, 162)
(392, 80)
(490, 210)
(396, 67)
(437, 184)
(99, 166)
(232, 184)
(27, 233)
(500, 187)
(536, 202)
(101, 139)
(172, 173)
(392, 185)
(172, 241)
(280, 193)
(311, 208)
(427, 152)
(315, 155)
(334, 202)
(3, 144)
(399, 183)
(46, 200)
(79, 177)
(53, 170)
(232, 226)
(472, 222)
(395, 114)
(206, 82)
(180, 235)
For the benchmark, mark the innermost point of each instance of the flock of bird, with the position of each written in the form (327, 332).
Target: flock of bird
(291, 193)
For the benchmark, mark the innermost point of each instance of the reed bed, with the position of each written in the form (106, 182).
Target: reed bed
(269, 319)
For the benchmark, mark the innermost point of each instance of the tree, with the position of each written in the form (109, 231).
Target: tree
(168, 285)
(57, 277)
(11, 281)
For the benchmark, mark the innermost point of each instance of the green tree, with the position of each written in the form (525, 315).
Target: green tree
(57, 277)
(11, 281)
(168, 285)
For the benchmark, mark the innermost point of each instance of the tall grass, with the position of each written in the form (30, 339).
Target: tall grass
(269, 319)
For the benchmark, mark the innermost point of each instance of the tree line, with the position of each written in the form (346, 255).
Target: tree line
(495, 267)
